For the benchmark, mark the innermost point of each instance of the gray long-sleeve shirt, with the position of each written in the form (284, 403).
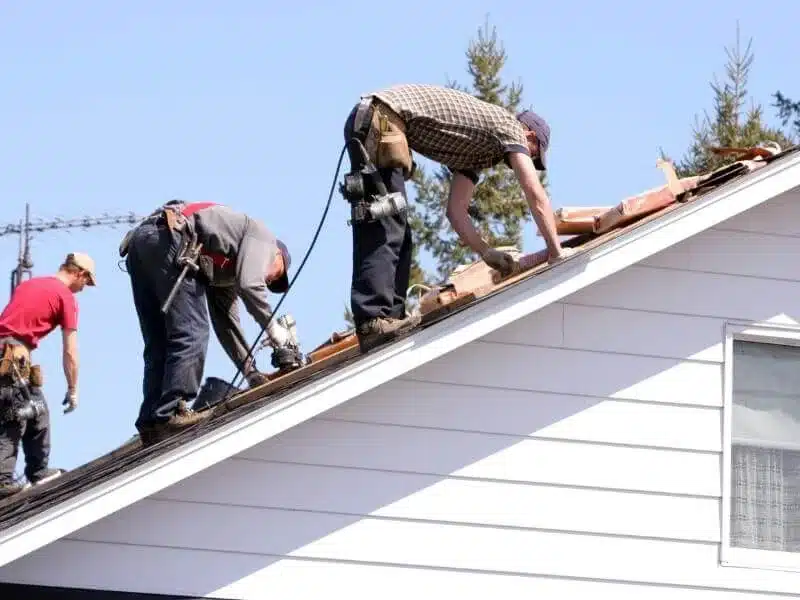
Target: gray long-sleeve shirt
(251, 248)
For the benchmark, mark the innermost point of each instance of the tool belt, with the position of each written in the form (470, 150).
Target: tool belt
(15, 364)
(170, 215)
(383, 134)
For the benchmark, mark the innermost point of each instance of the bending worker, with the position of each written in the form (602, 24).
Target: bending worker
(457, 130)
(37, 307)
(240, 258)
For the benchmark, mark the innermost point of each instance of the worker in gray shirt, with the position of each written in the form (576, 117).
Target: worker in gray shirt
(240, 258)
(247, 261)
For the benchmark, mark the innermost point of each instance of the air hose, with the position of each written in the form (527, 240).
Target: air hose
(233, 381)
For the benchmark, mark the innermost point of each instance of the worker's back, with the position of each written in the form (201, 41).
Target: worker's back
(37, 306)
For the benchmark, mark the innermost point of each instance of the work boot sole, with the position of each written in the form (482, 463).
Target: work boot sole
(175, 425)
(184, 420)
(50, 477)
(371, 341)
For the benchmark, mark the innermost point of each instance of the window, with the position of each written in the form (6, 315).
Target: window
(761, 450)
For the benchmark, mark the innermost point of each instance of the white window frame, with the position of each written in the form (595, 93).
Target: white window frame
(763, 333)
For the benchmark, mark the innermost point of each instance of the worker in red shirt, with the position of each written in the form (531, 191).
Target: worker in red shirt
(37, 307)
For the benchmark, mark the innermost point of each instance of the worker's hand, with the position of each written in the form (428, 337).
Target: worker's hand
(278, 336)
(70, 401)
(502, 261)
(565, 253)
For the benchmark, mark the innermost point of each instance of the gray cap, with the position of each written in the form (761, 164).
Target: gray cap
(542, 130)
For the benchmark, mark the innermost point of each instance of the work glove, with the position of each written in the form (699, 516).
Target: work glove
(502, 261)
(278, 336)
(565, 253)
(70, 401)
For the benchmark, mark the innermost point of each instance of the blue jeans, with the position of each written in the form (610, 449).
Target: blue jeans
(175, 344)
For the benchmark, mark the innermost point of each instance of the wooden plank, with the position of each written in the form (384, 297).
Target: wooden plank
(328, 350)
(336, 337)
(324, 357)
(445, 309)
(471, 276)
(575, 220)
(746, 153)
(437, 300)
(536, 262)
(633, 208)
(283, 382)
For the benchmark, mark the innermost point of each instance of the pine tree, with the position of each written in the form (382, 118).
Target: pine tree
(498, 207)
(731, 124)
(788, 110)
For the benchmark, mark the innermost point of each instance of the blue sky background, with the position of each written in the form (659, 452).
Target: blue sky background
(111, 107)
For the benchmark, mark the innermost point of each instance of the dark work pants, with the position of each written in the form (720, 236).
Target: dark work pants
(175, 344)
(34, 435)
(381, 251)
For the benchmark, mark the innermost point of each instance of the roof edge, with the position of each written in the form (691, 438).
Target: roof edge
(488, 315)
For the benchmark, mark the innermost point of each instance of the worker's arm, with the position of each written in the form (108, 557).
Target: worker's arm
(253, 258)
(69, 357)
(461, 189)
(538, 200)
(256, 253)
(69, 361)
(224, 314)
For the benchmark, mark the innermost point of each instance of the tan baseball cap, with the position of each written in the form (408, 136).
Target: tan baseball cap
(82, 261)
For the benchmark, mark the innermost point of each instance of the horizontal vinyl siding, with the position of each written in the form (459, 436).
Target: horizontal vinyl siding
(576, 452)
(247, 576)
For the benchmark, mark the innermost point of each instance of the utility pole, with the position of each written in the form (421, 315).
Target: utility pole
(25, 228)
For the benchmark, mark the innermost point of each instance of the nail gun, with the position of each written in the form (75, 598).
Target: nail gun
(288, 356)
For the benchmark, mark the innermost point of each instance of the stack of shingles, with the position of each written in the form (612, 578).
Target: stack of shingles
(479, 279)
(600, 220)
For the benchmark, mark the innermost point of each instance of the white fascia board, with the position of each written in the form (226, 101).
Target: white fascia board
(422, 347)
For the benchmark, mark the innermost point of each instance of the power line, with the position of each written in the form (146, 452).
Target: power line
(25, 228)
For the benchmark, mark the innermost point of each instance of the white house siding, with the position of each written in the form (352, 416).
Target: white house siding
(573, 454)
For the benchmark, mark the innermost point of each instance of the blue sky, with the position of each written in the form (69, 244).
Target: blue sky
(111, 107)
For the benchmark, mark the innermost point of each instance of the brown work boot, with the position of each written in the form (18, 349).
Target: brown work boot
(184, 417)
(378, 331)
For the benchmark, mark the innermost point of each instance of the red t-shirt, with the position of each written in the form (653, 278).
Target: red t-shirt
(38, 306)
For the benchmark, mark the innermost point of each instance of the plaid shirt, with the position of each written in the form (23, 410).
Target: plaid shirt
(455, 128)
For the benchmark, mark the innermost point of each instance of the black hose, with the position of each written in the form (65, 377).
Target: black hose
(297, 273)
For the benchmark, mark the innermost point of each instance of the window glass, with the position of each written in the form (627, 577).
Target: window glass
(765, 494)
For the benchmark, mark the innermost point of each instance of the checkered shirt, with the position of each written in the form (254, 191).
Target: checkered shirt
(455, 128)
